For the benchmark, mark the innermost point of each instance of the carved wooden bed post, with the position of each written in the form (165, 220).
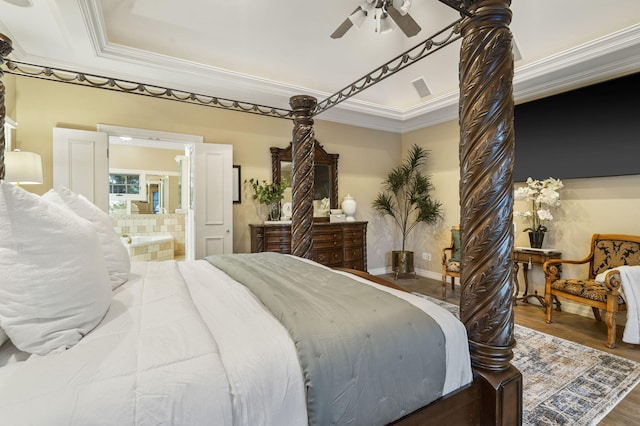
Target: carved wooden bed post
(302, 175)
(486, 203)
(5, 49)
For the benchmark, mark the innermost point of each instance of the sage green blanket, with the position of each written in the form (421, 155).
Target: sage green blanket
(367, 357)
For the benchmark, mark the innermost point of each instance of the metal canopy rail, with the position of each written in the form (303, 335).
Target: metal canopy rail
(114, 84)
(430, 45)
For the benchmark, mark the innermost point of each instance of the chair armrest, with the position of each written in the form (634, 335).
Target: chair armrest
(554, 263)
(444, 253)
(613, 282)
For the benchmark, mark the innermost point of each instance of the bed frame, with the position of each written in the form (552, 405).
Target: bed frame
(486, 208)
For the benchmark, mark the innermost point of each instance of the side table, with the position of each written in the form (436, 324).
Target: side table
(529, 257)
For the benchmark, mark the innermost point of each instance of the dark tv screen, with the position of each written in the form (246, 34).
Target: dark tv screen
(589, 132)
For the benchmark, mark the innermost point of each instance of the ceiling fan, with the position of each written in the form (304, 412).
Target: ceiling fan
(381, 10)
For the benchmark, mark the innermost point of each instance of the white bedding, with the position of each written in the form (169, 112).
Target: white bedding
(182, 344)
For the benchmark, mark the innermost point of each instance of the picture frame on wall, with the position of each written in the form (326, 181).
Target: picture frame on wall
(237, 193)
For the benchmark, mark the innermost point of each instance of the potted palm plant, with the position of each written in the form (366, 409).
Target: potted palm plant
(405, 197)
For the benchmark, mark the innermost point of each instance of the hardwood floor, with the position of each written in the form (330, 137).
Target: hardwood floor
(576, 328)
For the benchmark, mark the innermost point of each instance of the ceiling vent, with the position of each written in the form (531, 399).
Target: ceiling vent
(421, 87)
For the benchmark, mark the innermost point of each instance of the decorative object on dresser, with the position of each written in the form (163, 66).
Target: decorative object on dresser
(405, 197)
(601, 288)
(269, 194)
(541, 194)
(341, 244)
(349, 208)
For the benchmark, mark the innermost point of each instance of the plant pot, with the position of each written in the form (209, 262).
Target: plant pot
(402, 262)
(274, 211)
(536, 238)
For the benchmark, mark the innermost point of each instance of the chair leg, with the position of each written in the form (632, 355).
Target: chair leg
(549, 307)
(444, 287)
(596, 313)
(453, 283)
(610, 321)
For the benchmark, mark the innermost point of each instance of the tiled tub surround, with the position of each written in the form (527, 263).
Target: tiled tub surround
(153, 224)
(150, 247)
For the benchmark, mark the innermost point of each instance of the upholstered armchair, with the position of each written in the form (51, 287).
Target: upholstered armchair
(608, 251)
(451, 261)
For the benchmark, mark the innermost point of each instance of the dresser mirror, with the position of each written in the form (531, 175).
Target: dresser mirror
(325, 172)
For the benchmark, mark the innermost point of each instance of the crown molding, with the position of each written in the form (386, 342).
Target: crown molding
(608, 57)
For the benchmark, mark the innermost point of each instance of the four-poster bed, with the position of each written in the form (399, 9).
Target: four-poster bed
(486, 160)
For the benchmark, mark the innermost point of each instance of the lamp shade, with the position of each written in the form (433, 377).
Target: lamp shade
(22, 167)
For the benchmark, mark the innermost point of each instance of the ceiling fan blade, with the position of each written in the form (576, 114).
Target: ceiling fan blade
(344, 27)
(406, 23)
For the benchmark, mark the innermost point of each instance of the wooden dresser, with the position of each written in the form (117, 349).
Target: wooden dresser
(334, 244)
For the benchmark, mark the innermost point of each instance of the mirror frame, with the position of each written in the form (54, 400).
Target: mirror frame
(321, 157)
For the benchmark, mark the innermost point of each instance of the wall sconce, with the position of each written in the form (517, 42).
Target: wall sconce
(23, 168)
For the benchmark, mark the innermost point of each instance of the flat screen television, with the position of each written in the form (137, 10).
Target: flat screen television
(593, 131)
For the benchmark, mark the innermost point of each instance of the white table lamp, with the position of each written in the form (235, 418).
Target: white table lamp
(22, 167)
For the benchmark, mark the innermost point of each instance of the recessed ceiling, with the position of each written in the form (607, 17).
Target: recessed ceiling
(264, 52)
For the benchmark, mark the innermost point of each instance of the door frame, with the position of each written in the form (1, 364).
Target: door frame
(160, 139)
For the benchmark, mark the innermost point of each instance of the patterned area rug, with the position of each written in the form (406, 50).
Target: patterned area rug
(565, 383)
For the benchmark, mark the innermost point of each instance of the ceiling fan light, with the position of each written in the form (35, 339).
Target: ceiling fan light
(385, 24)
(357, 18)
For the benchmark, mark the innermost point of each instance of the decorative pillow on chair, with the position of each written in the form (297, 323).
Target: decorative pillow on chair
(455, 237)
(54, 285)
(115, 253)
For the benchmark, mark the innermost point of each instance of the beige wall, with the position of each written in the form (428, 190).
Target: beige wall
(10, 95)
(593, 205)
(588, 205)
(141, 158)
(365, 155)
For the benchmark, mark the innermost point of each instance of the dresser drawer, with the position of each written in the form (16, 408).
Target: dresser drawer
(280, 237)
(327, 257)
(325, 238)
(354, 253)
(356, 264)
(353, 239)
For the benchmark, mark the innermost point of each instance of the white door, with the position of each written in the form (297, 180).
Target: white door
(212, 199)
(80, 162)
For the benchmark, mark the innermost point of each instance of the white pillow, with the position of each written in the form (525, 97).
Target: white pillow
(54, 285)
(115, 253)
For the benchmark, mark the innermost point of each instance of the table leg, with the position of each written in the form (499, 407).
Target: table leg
(517, 282)
(525, 296)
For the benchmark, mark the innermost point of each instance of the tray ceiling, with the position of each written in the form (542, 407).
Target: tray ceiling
(264, 52)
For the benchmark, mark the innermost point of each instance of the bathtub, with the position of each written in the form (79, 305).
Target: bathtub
(150, 247)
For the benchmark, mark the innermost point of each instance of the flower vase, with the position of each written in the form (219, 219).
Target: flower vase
(536, 238)
(274, 211)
